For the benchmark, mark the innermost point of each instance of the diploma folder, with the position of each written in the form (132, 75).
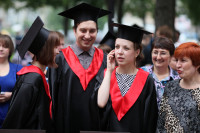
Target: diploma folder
(21, 131)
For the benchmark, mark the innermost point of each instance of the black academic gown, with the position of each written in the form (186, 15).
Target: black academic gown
(136, 112)
(74, 92)
(30, 103)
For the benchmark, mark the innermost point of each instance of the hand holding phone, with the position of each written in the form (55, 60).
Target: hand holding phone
(111, 61)
(1, 91)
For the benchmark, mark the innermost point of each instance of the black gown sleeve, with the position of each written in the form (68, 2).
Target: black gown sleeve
(95, 110)
(54, 77)
(21, 107)
(151, 109)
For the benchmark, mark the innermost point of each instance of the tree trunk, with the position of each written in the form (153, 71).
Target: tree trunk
(165, 13)
(120, 11)
(197, 32)
(144, 21)
(111, 5)
(65, 23)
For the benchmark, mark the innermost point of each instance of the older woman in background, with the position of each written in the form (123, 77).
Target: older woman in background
(162, 51)
(180, 106)
(8, 72)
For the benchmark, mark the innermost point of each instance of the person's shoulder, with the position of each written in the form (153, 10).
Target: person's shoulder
(149, 77)
(30, 82)
(174, 74)
(174, 81)
(32, 77)
(171, 85)
(15, 66)
(147, 68)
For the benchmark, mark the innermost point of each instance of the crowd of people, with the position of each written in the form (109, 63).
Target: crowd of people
(117, 87)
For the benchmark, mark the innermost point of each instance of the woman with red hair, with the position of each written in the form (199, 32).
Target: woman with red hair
(180, 106)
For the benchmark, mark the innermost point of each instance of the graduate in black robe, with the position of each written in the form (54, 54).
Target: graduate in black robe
(128, 93)
(30, 106)
(79, 74)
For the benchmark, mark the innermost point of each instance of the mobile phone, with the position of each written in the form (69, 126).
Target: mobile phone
(114, 56)
(1, 91)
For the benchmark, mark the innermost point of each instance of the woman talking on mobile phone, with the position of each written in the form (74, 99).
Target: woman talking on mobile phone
(132, 104)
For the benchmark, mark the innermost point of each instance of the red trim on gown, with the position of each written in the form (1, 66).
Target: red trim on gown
(84, 75)
(121, 104)
(35, 69)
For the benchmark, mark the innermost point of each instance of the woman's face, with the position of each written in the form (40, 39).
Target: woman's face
(160, 57)
(185, 68)
(4, 51)
(56, 51)
(125, 53)
(172, 63)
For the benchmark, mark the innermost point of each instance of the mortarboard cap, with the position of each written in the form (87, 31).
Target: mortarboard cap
(109, 39)
(137, 26)
(34, 39)
(84, 12)
(134, 33)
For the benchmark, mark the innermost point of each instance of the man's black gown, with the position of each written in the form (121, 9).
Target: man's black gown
(74, 92)
(137, 111)
(30, 102)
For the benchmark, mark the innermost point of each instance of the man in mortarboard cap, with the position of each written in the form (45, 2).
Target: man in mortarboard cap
(80, 72)
(108, 42)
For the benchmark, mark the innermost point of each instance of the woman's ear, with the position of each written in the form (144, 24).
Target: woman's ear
(198, 69)
(137, 53)
(74, 30)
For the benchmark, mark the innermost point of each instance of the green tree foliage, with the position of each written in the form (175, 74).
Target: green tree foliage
(40, 3)
(63, 5)
(192, 9)
(139, 7)
(54, 21)
(6, 4)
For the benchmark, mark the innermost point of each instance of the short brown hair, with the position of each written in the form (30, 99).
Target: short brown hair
(190, 50)
(6, 39)
(60, 35)
(46, 54)
(140, 56)
(164, 43)
(77, 23)
(165, 31)
(105, 48)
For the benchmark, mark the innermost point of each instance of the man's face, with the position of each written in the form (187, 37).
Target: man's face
(86, 33)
